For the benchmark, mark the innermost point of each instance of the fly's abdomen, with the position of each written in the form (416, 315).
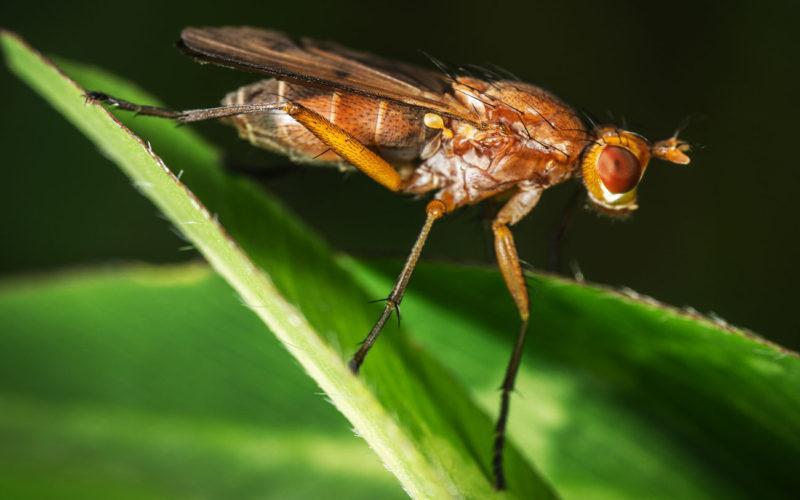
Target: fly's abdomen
(395, 132)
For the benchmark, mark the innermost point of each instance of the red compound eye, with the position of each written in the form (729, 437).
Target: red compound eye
(619, 169)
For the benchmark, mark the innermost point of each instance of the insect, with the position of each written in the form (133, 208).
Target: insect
(418, 131)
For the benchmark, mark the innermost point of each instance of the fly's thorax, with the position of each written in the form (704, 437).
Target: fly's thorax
(474, 163)
(517, 134)
(394, 131)
(546, 135)
(527, 112)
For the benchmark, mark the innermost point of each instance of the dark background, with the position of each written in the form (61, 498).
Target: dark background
(720, 235)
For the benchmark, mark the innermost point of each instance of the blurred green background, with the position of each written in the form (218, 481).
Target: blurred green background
(720, 235)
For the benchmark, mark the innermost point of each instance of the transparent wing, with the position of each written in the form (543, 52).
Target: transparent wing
(323, 64)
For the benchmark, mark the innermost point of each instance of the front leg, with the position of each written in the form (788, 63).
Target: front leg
(515, 209)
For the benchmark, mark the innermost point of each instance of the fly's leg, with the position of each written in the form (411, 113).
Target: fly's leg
(517, 207)
(381, 172)
(435, 210)
(189, 115)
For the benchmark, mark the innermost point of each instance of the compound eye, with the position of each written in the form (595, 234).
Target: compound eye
(619, 169)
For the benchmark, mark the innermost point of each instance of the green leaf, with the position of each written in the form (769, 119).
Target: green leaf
(289, 279)
(157, 383)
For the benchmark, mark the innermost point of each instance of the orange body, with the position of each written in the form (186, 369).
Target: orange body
(416, 131)
(525, 135)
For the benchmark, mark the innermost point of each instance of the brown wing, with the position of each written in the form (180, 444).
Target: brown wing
(322, 64)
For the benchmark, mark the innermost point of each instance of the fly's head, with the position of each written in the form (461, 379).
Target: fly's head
(613, 166)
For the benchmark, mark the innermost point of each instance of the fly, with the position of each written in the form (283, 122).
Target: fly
(418, 131)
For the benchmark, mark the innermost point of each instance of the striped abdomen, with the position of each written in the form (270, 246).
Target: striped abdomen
(394, 131)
